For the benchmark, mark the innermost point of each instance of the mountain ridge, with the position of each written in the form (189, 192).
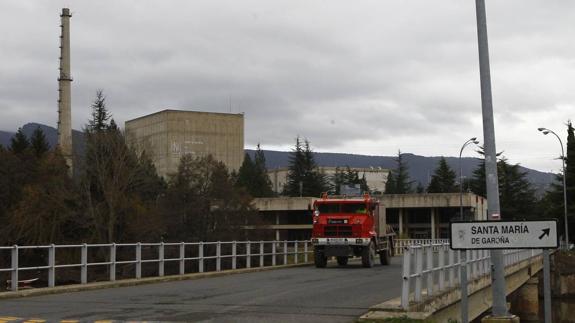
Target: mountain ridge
(420, 167)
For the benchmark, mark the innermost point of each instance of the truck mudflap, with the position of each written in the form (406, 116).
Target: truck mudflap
(340, 241)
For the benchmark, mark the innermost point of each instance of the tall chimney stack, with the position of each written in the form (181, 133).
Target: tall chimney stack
(64, 92)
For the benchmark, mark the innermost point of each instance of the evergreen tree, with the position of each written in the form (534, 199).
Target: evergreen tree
(551, 205)
(246, 173)
(516, 194)
(303, 173)
(38, 142)
(570, 176)
(420, 189)
(262, 182)
(443, 179)
(19, 142)
(398, 180)
(100, 114)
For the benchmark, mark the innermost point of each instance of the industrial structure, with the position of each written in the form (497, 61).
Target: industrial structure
(376, 177)
(64, 92)
(169, 134)
(418, 216)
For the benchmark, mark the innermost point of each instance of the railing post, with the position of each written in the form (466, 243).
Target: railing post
(51, 264)
(295, 247)
(249, 254)
(305, 252)
(182, 258)
(84, 270)
(442, 267)
(285, 252)
(138, 260)
(418, 270)
(406, 278)
(430, 270)
(113, 262)
(274, 253)
(234, 253)
(218, 256)
(261, 253)
(451, 268)
(201, 257)
(161, 260)
(14, 274)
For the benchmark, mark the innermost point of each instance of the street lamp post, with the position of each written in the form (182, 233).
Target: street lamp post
(546, 131)
(463, 257)
(468, 142)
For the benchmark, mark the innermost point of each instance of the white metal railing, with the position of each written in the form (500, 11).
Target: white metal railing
(254, 253)
(400, 245)
(438, 266)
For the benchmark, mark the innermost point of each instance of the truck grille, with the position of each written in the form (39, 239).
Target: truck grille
(337, 231)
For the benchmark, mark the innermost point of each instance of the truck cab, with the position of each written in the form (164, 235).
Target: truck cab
(346, 227)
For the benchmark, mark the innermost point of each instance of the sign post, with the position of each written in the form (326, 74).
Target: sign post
(510, 235)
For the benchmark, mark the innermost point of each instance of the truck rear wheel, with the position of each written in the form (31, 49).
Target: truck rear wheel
(319, 259)
(342, 261)
(384, 257)
(368, 256)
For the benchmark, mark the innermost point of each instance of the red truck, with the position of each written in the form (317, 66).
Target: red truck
(344, 227)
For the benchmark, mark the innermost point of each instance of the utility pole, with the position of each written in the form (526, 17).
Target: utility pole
(499, 311)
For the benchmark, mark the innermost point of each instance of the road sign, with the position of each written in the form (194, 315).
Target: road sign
(504, 234)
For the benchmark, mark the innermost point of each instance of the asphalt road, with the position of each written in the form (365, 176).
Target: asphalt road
(302, 294)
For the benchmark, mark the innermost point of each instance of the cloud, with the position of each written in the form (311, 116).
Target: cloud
(370, 78)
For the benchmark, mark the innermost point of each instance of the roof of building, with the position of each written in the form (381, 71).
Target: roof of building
(189, 111)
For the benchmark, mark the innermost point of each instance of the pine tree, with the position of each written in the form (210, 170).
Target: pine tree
(303, 173)
(516, 194)
(390, 183)
(262, 182)
(19, 142)
(100, 114)
(398, 180)
(443, 179)
(246, 173)
(420, 189)
(570, 175)
(38, 142)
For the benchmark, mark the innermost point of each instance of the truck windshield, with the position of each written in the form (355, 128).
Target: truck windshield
(328, 208)
(353, 208)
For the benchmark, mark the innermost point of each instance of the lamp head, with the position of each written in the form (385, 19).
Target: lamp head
(476, 142)
(545, 132)
(473, 139)
(541, 129)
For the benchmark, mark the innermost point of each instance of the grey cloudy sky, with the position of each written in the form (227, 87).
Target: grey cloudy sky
(366, 77)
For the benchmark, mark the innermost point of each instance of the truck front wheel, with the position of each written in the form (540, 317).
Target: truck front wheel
(368, 256)
(319, 259)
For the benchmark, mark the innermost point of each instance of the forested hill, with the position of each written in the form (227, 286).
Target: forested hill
(420, 168)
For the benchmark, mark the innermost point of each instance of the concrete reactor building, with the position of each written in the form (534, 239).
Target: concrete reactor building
(169, 134)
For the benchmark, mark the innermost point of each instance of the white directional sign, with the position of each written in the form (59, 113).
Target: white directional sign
(504, 235)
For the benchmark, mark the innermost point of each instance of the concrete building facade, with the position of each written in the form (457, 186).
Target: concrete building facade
(418, 216)
(376, 177)
(169, 134)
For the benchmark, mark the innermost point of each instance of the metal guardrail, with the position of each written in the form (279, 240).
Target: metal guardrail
(438, 266)
(256, 252)
(401, 244)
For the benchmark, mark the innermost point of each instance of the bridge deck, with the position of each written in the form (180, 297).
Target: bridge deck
(304, 294)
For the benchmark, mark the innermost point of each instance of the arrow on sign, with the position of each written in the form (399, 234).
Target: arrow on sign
(545, 233)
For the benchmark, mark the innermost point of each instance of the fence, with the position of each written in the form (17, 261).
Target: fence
(204, 256)
(427, 263)
(401, 244)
